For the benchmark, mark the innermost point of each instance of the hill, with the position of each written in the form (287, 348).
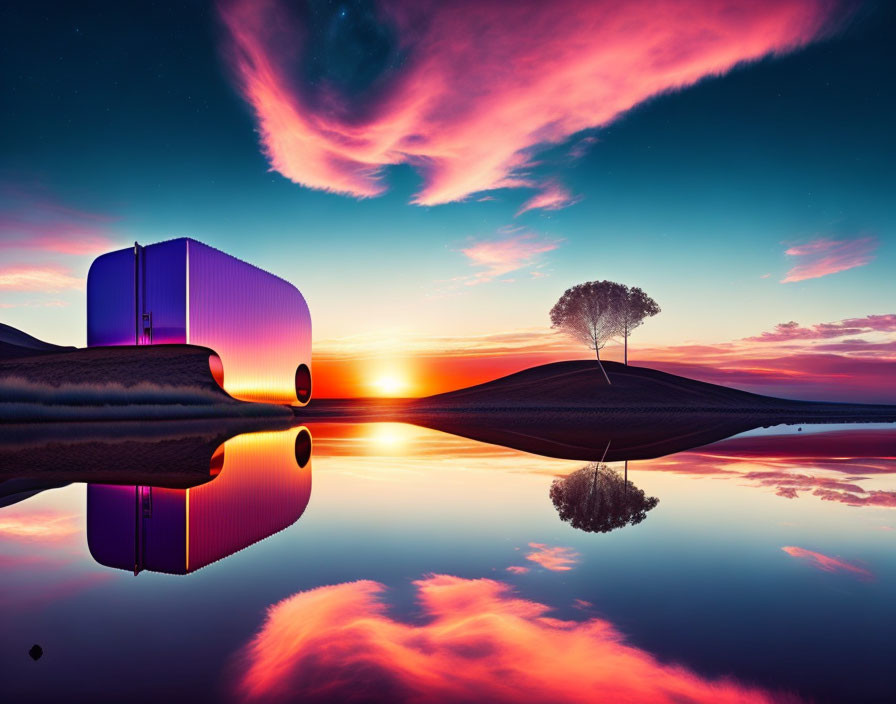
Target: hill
(15, 343)
(118, 383)
(581, 385)
(567, 410)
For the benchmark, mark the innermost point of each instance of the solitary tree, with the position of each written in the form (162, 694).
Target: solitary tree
(596, 499)
(632, 305)
(588, 312)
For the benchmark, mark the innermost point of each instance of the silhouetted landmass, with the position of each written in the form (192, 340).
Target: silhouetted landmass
(15, 343)
(580, 385)
(172, 454)
(567, 410)
(117, 383)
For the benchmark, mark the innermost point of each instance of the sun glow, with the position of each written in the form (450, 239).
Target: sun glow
(389, 385)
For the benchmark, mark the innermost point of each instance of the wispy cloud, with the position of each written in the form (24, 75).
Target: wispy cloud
(785, 332)
(55, 303)
(39, 526)
(553, 196)
(826, 562)
(555, 558)
(541, 72)
(38, 278)
(31, 219)
(822, 257)
(328, 644)
(515, 249)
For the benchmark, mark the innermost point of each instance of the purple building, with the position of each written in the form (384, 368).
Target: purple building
(261, 485)
(184, 292)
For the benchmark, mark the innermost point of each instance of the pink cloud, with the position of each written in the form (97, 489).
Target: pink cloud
(822, 257)
(476, 88)
(784, 332)
(39, 526)
(552, 197)
(825, 562)
(35, 304)
(554, 558)
(830, 465)
(517, 569)
(495, 258)
(32, 220)
(38, 278)
(479, 642)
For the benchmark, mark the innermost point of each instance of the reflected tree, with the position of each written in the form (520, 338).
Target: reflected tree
(597, 499)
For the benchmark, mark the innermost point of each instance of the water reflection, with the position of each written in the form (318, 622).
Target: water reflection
(586, 436)
(597, 499)
(475, 641)
(261, 485)
(170, 454)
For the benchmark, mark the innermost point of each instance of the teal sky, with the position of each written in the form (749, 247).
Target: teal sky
(130, 120)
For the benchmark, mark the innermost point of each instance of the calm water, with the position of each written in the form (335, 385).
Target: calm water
(401, 563)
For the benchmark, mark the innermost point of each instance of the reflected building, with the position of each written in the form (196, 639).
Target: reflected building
(185, 292)
(262, 486)
(597, 499)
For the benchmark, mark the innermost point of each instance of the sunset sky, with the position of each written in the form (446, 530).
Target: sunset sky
(433, 176)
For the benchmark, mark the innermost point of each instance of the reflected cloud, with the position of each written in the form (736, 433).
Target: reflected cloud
(479, 642)
(261, 485)
(597, 499)
(826, 562)
(553, 558)
(39, 526)
(830, 466)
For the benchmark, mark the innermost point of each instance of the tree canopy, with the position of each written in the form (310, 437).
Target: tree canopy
(597, 500)
(632, 307)
(597, 311)
(587, 312)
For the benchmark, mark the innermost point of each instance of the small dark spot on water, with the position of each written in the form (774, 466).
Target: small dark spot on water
(799, 430)
(36, 652)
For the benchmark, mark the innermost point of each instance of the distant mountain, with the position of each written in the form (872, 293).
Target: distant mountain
(15, 343)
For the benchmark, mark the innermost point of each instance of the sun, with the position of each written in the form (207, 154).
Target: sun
(389, 385)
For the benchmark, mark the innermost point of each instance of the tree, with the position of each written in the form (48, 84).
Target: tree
(597, 500)
(631, 306)
(588, 312)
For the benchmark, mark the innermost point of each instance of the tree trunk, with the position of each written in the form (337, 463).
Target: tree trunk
(597, 352)
(626, 343)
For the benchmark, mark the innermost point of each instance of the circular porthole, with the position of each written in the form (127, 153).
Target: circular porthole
(303, 383)
(217, 369)
(217, 461)
(303, 448)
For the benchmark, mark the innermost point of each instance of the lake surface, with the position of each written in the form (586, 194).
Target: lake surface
(396, 563)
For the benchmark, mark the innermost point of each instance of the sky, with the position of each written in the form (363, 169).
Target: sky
(433, 176)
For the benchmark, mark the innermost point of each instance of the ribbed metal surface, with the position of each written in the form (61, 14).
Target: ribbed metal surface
(110, 300)
(259, 491)
(163, 291)
(182, 291)
(258, 324)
